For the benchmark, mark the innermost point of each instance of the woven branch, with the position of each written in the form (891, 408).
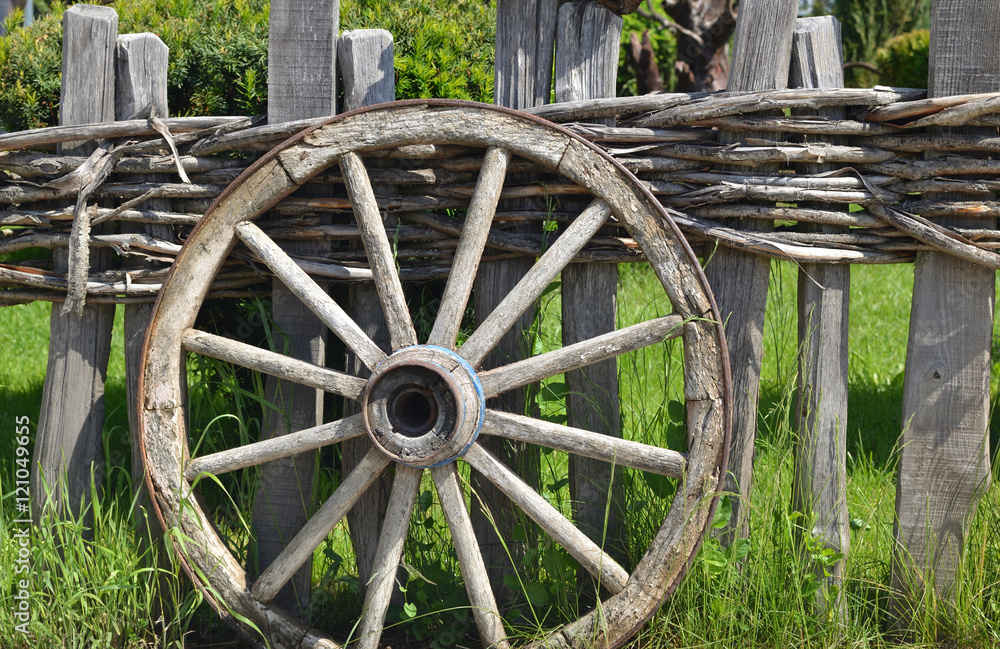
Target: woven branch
(890, 155)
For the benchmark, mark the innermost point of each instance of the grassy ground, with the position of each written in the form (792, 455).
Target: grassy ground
(750, 595)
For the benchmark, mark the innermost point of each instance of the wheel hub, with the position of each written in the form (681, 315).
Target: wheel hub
(423, 406)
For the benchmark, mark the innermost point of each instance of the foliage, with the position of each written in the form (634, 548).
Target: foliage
(443, 48)
(903, 61)
(218, 53)
(664, 47)
(868, 24)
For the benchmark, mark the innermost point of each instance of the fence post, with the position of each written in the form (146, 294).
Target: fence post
(68, 442)
(762, 48)
(944, 463)
(523, 78)
(588, 39)
(366, 65)
(820, 488)
(140, 81)
(302, 57)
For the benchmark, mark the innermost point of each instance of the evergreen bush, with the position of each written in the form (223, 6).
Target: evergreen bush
(218, 53)
(902, 62)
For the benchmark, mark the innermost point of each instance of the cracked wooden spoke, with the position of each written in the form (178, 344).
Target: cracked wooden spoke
(390, 548)
(276, 448)
(380, 256)
(273, 363)
(597, 562)
(531, 286)
(301, 547)
(470, 559)
(577, 441)
(314, 297)
(581, 354)
(470, 248)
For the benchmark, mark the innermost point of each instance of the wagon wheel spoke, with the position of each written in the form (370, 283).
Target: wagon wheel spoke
(581, 354)
(614, 450)
(470, 248)
(597, 562)
(470, 559)
(301, 547)
(273, 363)
(300, 441)
(531, 286)
(376, 241)
(314, 297)
(390, 548)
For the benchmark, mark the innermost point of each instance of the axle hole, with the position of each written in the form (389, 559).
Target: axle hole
(412, 411)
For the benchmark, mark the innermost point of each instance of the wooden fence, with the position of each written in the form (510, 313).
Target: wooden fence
(726, 166)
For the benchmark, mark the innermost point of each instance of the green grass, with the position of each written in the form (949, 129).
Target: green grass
(100, 593)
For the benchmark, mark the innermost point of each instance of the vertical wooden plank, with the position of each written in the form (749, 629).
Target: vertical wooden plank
(302, 50)
(68, 443)
(588, 39)
(820, 489)
(141, 80)
(523, 78)
(761, 52)
(366, 65)
(944, 464)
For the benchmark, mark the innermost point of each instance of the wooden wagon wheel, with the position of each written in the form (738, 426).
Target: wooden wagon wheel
(424, 405)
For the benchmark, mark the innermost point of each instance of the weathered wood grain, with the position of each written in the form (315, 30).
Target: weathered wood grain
(761, 54)
(598, 563)
(299, 549)
(311, 294)
(588, 37)
(576, 441)
(379, 589)
(470, 559)
(944, 464)
(581, 354)
(275, 448)
(68, 439)
(488, 334)
(820, 487)
(379, 252)
(365, 58)
(473, 239)
(525, 38)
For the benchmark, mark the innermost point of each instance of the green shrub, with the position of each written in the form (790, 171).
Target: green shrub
(664, 47)
(218, 53)
(902, 62)
(443, 48)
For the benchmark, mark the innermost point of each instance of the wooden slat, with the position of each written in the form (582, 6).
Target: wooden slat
(379, 590)
(820, 490)
(525, 38)
(588, 39)
(365, 60)
(275, 448)
(301, 84)
(597, 562)
(581, 354)
(944, 464)
(299, 550)
(488, 334)
(71, 419)
(310, 293)
(585, 443)
(478, 220)
(470, 559)
(761, 51)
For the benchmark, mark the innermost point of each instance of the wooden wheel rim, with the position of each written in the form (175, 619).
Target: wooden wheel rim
(707, 384)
